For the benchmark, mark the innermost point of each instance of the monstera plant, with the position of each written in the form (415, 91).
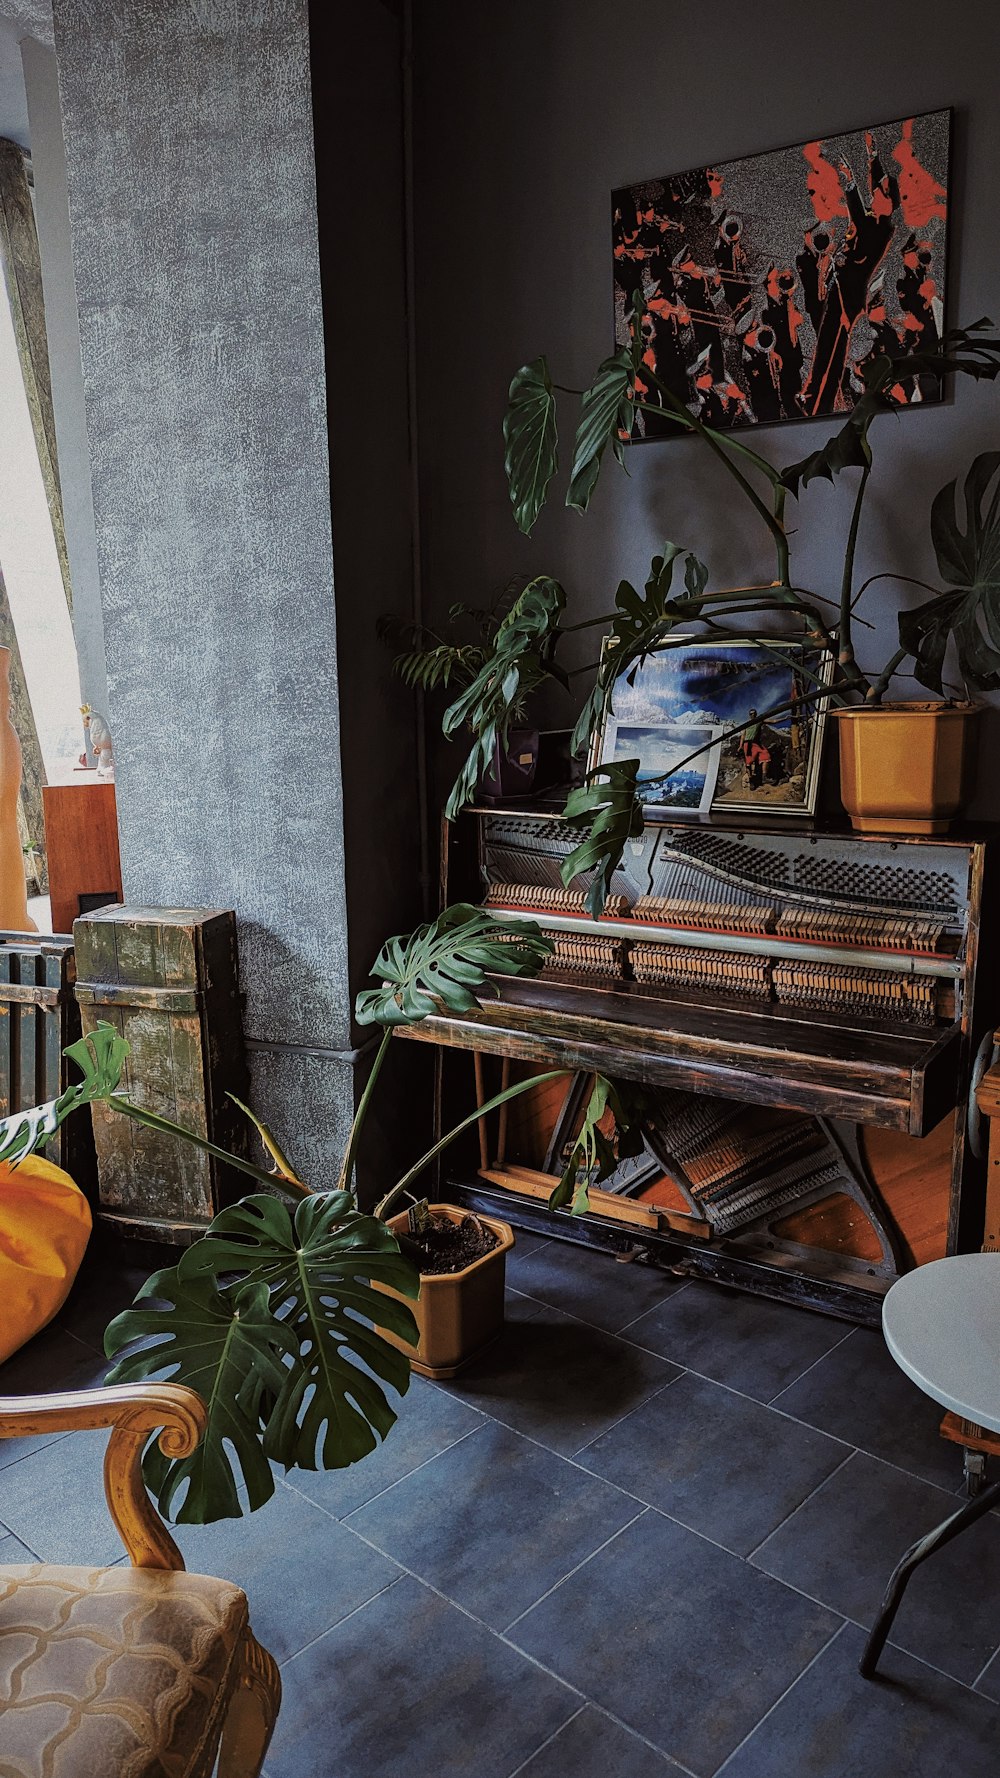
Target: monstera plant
(677, 600)
(274, 1316)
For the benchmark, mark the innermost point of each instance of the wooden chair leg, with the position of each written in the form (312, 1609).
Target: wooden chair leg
(252, 1714)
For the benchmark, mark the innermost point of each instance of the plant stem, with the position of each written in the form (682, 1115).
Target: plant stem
(347, 1165)
(809, 697)
(117, 1102)
(589, 623)
(879, 686)
(889, 574)
(721, 450)
(845, 652)
(522, 1086)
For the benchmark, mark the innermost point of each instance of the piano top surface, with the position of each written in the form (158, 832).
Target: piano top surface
(962, 833)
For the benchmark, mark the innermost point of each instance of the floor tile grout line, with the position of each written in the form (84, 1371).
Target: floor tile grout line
(863, 1451)
(864, 1628)
(672, 1762)
(797, 1509)
(542, 1745)
(45, 1440)
(563, 1578)
(983, 1669)
(637, 1409)
(811, 1367)
(342, 1520)
(464, 1611)
(394, 1582)
(685, 1284)
(570, 1457)
(818, 1656)
(794, 1419)
(613, 1333)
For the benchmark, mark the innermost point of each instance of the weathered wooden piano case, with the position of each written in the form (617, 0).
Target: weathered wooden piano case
(808, 1009)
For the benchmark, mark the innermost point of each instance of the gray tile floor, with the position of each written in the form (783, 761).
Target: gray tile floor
(643, 1535)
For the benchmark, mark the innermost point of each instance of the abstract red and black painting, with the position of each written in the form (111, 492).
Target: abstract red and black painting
(769, 281)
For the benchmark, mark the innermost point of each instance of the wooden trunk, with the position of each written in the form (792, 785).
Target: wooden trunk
(168, 978)
(38, 1018)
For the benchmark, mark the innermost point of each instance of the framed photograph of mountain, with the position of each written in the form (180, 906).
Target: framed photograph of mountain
(722, 725)
(770, 281)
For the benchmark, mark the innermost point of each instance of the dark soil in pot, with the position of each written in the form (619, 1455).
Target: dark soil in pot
(446, 1246)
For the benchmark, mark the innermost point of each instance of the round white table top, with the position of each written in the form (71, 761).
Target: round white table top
(942, 1325)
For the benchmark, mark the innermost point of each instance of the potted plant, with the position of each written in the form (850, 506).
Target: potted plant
(292, 1312)
(904, 767)
(429, 661)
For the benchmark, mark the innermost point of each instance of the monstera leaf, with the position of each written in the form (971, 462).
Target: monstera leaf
(230, 1348)
(100, 1056)
(609, 805)
(320, 1270)
(964, 351)
(520, 658)
(606, 411)
(271, 1319)
(446, 964)
(969, 563)
(530, 440)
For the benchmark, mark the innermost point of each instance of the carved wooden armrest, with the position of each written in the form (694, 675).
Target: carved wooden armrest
(133, 1411)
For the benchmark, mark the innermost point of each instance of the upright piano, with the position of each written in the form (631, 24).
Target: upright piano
(777, 989)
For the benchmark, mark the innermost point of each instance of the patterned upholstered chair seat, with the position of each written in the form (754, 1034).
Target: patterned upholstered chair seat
(128, 1672)
(118, 1670)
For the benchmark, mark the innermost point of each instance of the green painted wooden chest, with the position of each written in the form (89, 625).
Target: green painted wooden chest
(169, 979)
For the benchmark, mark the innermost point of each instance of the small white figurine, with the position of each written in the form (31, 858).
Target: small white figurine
(99, 737)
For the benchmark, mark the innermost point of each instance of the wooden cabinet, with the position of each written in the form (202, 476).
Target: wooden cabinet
(81, 845)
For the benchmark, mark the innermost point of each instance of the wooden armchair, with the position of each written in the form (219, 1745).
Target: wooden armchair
(141, 1672)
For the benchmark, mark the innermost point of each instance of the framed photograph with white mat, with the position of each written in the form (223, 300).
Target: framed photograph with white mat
(734, 725)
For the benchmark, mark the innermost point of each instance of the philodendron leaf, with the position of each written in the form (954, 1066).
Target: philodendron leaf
(446, 963)
(531, 441)
(231, 1349)
(964, 350)
(606, 411)
(969, 563)
(329, 1408)
(100, 1056)
(643, 623)
(521, 656)
(608, 804)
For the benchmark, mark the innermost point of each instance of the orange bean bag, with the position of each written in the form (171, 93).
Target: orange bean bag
(45, 1225)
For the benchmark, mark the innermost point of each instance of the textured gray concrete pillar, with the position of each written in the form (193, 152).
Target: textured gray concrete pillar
(189, 150)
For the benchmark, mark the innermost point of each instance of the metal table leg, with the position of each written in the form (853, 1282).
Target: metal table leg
(926, 1546)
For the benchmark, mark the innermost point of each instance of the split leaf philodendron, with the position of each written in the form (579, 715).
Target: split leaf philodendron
(273, 1316)
(965, 612)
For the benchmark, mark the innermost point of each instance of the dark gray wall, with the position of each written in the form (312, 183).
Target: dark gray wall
(529, 113)
(189, 140)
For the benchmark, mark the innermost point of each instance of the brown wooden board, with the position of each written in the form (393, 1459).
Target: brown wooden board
(81, 844)
(904, 1078)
